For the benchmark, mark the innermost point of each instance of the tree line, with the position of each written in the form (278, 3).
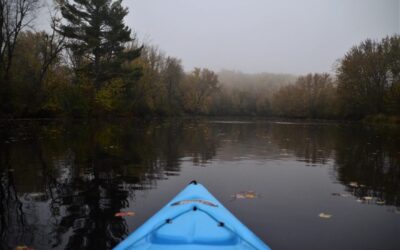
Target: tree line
(90, 64)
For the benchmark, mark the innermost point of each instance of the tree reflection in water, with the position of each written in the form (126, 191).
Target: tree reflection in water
(62, 182)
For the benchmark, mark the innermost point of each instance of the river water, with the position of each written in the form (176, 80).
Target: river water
(317, 185)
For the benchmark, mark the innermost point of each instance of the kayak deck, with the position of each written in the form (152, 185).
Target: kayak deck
(194, 219)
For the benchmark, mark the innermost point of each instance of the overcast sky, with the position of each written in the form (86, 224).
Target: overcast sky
(277, 36)
(261, 35)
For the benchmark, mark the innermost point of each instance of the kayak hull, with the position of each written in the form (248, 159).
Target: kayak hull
(194, 219)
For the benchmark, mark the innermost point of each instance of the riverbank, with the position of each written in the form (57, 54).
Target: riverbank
(371, 119)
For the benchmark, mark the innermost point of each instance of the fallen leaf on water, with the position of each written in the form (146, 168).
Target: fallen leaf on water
(380, 202)
(250, 196)
(367, 198)
(36, 195)
(123, 214)
(324, 216)
(245, 195)
(23, 248)
(353, 184)
(239, 196)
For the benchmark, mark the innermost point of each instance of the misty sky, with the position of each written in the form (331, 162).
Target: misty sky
(285, 36)
(261, 35)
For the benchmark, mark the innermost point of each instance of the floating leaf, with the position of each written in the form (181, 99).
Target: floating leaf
(23, 248)
(239, 196)
(124, 214)
(367, 198)
(324, 216)
(380, 202)
(353, 184)
(36, 195)
(245, 195)
(250, 196)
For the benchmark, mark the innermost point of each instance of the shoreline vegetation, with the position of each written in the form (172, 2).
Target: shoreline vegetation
(90, 65)
(378, 120)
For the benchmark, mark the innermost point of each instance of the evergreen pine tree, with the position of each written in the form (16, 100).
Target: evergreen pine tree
(97, 37)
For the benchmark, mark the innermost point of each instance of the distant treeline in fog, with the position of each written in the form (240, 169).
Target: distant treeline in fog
(91, 65)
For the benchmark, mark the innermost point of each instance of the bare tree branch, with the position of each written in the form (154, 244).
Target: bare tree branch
(15, 16)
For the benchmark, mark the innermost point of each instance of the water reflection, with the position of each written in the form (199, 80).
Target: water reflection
(370, 157)
(62, 182)
(312, 143)
(82, 174)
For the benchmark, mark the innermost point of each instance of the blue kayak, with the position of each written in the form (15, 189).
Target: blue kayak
(194, 219)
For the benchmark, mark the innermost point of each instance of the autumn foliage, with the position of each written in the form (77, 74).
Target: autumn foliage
(91, 64)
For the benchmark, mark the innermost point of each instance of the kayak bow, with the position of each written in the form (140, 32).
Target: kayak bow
(194, 219)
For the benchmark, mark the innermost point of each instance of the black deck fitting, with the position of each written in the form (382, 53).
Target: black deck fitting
(221, 224)
(169, 221)
(193, 182)
(194, 208)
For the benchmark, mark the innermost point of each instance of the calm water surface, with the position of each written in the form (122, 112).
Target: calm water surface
(63, 182)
